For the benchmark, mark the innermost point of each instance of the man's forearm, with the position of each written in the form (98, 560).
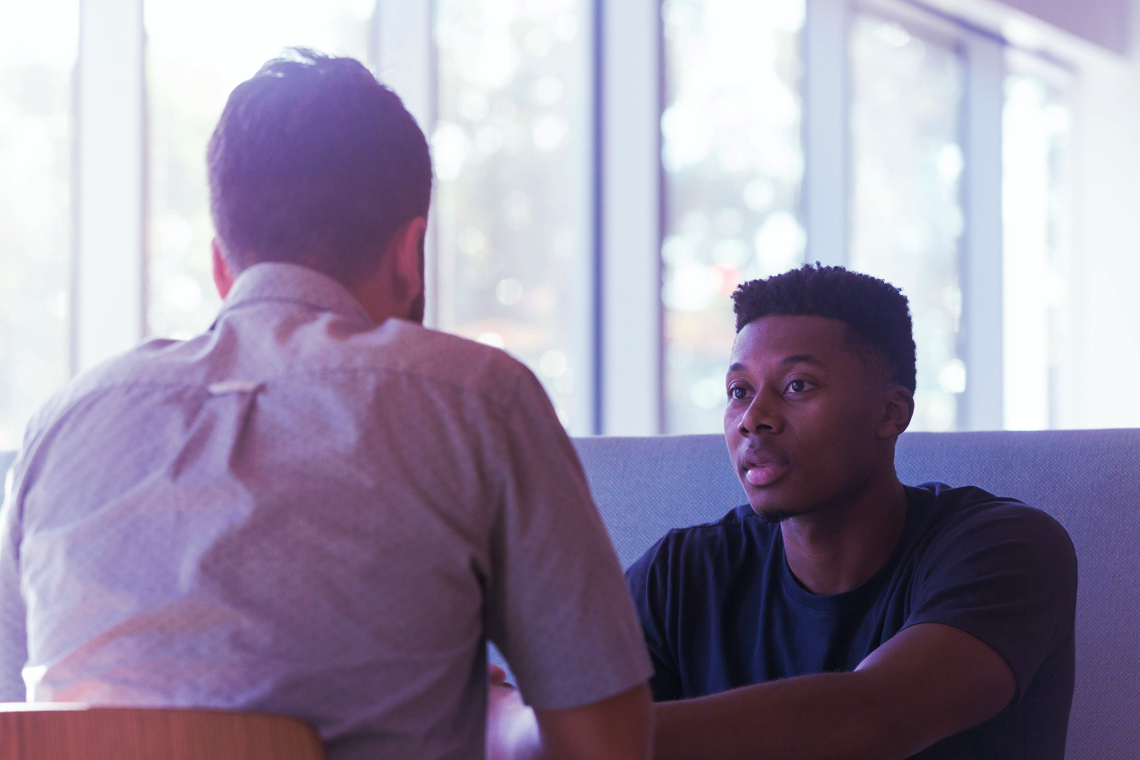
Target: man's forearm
(829, 715)
(926, 683)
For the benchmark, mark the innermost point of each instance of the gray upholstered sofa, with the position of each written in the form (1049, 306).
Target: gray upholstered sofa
(1088, 480)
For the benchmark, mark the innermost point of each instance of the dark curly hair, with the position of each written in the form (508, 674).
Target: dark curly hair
(315, 162)
(876, 312)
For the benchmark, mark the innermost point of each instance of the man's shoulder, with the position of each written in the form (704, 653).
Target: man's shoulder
(973, 503)
(737, 521)
(263, 352)
(445, 364)
(440, 359)
(456, 352)
(701, 547)
(124, 369)
(970, 514)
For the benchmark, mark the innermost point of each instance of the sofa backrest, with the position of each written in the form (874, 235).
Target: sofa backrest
(1088, 480)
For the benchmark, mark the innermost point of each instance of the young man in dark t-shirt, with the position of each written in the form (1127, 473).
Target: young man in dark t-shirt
(841, 614)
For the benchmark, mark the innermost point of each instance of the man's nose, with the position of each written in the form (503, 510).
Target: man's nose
(761, 415)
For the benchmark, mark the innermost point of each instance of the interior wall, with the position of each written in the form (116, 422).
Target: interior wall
(1104, 22)
(1099, 379)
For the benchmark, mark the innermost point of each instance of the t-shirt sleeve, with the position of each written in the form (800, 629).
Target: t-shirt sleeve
(558, 606)
(1006, 575)
(648, 580)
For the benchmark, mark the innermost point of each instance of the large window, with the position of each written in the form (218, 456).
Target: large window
(512, 148)
(732, 166)
(906, 216)
(37, 52)
(607, 173)
(196, 53)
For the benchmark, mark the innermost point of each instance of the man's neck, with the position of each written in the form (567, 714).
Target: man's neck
(382, 300)
(835, 549)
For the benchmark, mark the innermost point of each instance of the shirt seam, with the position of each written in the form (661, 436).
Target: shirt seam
(500, 407)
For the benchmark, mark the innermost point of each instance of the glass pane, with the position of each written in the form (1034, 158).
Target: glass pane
(38, 43)
(512, 152)
(733, 162)
(196, 54)
(1036, 247)
(906, 217)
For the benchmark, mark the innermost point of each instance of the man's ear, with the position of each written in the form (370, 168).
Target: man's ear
(405, 254)
(223, 278)
(405, 249)
(897, 412)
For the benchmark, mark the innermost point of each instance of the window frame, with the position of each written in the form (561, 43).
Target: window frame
(109, 181)
(982, 335)
(625, 300)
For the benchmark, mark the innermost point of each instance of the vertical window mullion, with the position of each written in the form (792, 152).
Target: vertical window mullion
(108, 306)
(982, 290)
(631, 217)
(1037, 252)
(826, 126)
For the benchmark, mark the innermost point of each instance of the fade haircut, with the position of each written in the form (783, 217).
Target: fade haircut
(314, 162)
(875, 312)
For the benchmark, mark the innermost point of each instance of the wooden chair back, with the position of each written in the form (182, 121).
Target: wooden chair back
(81, 732)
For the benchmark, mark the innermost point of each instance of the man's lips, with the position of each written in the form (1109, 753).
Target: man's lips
(764, 471)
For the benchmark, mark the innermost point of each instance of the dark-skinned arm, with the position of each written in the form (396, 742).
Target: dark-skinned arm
(927, 682)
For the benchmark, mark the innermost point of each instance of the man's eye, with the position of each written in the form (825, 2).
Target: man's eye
(796, 386)
(737, 393)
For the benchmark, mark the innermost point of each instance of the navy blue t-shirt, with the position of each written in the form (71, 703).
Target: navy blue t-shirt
(721, 609)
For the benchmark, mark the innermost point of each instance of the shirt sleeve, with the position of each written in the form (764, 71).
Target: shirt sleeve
(1007, 575)
(558, 606)
(648, 580)
(13, 611)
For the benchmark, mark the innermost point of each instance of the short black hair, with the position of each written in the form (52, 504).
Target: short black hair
(875, 312)
(315, 162)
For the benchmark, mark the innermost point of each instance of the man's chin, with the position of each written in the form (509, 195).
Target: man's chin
(774, 510)
(775, 516)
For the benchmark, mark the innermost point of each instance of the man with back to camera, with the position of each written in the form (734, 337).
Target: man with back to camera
(319, 507)
(841, 614)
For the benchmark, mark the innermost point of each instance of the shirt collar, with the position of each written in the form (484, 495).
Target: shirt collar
(279, 281)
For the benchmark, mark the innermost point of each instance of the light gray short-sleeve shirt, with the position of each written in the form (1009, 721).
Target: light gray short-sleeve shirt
(301, 512)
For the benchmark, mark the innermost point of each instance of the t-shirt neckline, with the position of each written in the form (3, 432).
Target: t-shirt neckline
(865, 591)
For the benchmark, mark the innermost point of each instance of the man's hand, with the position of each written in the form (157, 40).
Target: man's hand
(926, 683)
(618, 728)
(512, 731)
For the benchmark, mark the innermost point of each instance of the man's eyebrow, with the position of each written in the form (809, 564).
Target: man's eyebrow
(800, 359)
(785, 362)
